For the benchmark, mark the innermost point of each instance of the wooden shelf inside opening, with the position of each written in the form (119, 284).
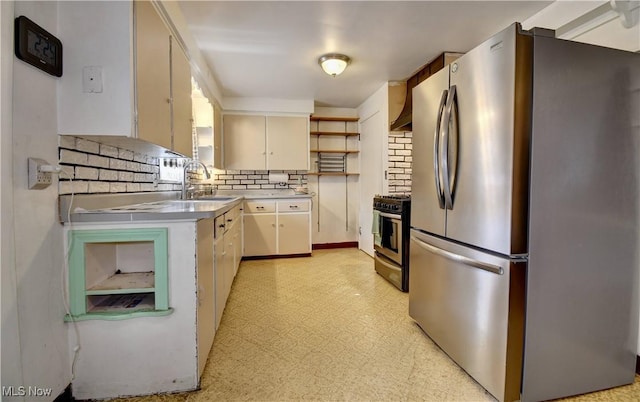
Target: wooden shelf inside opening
(135, 282)
(332, 174)
(334, 151)
(332, 118)
(337, 134)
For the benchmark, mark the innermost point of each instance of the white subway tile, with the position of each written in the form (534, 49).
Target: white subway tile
(87, 146)
(117, 187)
(76, 187)
(125, 154)
(133, 166)
(73, 157)
(108, 175)
(98, 161)
(132, 187)
(125, 176)
(67, 172)
(86, 173)
(117, 164)
(108, 150)
(67, 141)
(98, 187)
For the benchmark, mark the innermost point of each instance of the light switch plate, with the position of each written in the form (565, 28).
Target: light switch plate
(92, 79)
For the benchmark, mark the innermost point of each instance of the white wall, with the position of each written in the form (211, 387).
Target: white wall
(36, 296)
(374, 127)
(11, 364)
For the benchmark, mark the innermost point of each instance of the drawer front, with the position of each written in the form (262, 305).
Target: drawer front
(257, 207)
(233, 214)
(220, 225)
(293, 206)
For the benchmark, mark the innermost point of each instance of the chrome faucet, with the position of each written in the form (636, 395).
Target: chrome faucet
(184, 176)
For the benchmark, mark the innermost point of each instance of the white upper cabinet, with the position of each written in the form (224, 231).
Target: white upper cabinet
(141, 69)
(109, 47)
(244, 142)
(259, 142)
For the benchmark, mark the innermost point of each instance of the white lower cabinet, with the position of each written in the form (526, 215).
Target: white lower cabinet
(227, 237)
(205, 291)
(281, 227)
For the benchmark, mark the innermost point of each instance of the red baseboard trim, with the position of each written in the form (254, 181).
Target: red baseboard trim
(347, 244)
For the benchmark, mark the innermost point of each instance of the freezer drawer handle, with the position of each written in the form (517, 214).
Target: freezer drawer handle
(458, 258)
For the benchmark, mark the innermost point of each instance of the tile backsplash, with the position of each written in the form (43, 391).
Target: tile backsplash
(91, 167)
(400, 159)
(255, 179)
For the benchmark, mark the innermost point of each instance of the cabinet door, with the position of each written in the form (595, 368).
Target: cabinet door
(260, 234)
(181, 101)
(229, 271)
(153, 86)
(244, 142)
(218, 163)
(205, 291)
(293, 234)
(219, 279)
(287, 143)
(237, 245)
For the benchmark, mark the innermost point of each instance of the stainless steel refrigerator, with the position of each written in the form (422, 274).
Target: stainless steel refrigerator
(524, 242)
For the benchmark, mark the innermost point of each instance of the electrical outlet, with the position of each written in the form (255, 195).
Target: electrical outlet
(37, 178)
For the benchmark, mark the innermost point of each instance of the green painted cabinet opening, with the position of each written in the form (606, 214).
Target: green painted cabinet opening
(116, 274)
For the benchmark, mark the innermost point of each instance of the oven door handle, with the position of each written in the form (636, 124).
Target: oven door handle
(391, 216)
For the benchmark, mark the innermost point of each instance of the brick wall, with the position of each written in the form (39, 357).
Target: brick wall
(254, 179)
(399, 172)
(91, 167)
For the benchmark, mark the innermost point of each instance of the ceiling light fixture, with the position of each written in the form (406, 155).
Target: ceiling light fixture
(334, 63)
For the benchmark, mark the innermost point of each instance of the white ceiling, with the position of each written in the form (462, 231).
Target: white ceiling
(269, 49)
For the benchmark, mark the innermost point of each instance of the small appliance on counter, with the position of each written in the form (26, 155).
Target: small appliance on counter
(391, 218)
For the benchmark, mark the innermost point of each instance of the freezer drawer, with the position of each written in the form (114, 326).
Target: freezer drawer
(472, 305)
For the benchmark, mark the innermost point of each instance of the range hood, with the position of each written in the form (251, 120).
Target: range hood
(403, 122)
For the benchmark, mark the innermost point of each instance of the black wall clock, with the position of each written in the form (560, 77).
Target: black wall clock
(36, 46)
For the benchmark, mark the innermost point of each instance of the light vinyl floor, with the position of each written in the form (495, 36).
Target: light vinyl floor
(328, 328)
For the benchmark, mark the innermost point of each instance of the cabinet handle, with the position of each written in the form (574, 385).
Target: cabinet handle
(271, 153)
(221, 225)
(293, 206)
(282, 225)
(229, 220)
(259, 207)
(273, 224)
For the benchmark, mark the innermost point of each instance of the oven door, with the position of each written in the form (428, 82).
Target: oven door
(391, 237)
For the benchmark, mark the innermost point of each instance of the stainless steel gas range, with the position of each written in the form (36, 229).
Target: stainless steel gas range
(391, 238)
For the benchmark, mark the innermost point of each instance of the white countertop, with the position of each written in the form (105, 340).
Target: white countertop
(172, 209)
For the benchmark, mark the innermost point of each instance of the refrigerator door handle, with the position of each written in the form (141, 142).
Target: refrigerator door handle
(450, 119)
(436, 150)
(458, 258)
